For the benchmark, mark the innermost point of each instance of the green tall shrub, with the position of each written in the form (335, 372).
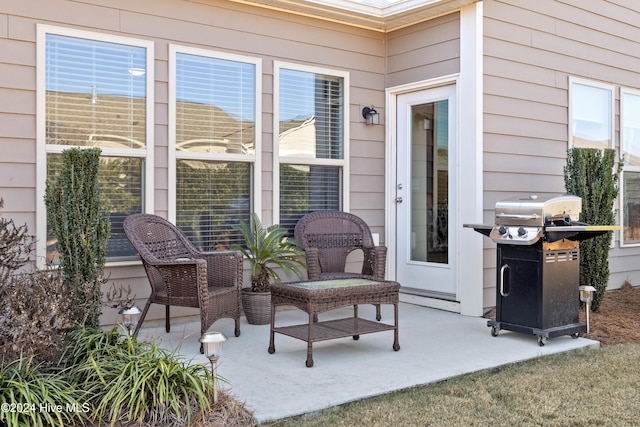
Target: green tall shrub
(81, 224)
(592, 174)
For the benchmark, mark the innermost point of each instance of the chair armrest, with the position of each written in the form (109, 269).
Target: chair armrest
(183, 277)
(313, 263)
(375, 262)
(224, 268)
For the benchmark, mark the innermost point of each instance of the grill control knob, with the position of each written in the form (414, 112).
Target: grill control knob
(503, 230)
(522, 232)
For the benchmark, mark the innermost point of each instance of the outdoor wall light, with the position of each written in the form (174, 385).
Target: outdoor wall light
(586, 296)
(212, 343)
(130, 318)
(371, 116)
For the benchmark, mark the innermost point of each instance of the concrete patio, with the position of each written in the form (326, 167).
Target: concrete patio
(435, 345)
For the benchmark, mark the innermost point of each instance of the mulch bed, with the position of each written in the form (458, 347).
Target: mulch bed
(618, 320)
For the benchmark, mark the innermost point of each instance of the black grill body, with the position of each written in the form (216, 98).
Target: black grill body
(537, 289)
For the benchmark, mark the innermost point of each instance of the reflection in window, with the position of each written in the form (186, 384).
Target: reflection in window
(215, 105)
(630, 147)
(96, 96)
(211, 198)
(215, 132)
(430, 182)
(591, 112)
(631, 208)
(311, 147)
(305, 188)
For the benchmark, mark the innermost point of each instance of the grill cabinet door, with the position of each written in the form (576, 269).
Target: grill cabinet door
(519, 301)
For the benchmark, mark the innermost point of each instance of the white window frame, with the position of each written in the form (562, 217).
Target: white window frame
(42, 149)
(277, 160)
(599, 85)
(626, 168)
(174, 155)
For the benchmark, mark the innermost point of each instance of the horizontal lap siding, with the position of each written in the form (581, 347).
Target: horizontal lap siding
(213, 24)
(423, 51)
(530, 50)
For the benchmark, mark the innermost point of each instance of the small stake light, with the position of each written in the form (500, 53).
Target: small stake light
(586, 296)
(130, 318)
(212, 344)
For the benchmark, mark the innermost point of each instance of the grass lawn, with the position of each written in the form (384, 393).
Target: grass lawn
(549, 391)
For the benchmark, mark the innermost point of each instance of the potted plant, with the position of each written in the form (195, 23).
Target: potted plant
(266, 250)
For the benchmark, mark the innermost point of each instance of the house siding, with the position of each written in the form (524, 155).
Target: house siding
(423, 51)
(217, 25)
(530, 51)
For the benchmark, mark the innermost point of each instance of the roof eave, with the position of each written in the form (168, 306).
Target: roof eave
(365, 15)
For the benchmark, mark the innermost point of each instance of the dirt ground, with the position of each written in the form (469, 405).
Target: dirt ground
(618, 320)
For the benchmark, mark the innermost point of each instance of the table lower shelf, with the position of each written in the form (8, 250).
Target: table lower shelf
(331, 329)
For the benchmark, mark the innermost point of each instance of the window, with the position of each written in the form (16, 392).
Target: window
(591, 114)
(214, 144)
(630, 147)
(95, 91)
(311, 150)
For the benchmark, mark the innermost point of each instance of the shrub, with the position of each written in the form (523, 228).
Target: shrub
(81, 226)
(31, 395)
(135, 381)
(591, 174)
(15, 247)
(36, 308)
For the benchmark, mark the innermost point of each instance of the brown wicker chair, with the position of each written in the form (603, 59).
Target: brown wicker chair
(328, 237)
(182, 276)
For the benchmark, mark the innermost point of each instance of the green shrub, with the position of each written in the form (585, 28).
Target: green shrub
(591, 174)
(81, 226)
(138, 381)
(31, 395)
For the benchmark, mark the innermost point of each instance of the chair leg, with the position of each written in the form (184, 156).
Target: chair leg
(142, 316)
(378, 314)
(167, 324)
(237, 331)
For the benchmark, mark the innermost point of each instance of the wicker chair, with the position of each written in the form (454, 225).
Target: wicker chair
(328, 237)
(182, 276)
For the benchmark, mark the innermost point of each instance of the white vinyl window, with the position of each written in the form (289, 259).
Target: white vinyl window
(311, 150)
(630, 148)
(591, 112)
(214, 144)
(95, 90)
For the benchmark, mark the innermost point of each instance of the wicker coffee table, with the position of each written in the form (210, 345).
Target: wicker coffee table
(318, 296)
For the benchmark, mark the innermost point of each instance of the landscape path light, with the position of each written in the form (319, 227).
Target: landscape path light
(130, 318)
(586, 296)
(212, 346)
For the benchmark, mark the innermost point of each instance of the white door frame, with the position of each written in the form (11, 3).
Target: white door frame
(469, 266)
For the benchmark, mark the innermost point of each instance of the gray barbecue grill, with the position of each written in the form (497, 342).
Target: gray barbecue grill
(538, 264)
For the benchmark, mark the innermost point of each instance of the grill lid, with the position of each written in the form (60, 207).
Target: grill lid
(535, 211)
(526, 220)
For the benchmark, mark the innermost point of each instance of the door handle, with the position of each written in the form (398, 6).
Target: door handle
(398, 200)
(504, 267)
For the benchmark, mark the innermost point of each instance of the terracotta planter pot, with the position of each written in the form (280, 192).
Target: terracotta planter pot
(257, 307)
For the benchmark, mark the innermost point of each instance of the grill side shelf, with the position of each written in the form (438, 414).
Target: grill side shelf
(480, 228)
(578, 232)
